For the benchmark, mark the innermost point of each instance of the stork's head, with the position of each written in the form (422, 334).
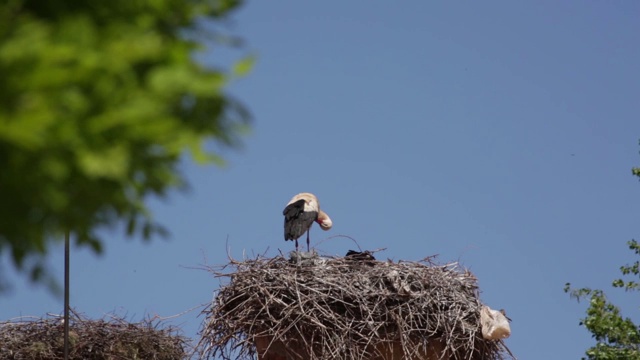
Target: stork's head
(324, 220)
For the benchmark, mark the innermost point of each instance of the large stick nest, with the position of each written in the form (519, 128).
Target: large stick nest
(346, 308)
(112, 338)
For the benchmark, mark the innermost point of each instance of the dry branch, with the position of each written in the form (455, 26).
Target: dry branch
(345, 308)
(112, 339)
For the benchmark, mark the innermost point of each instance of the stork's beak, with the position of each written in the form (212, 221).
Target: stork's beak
(325, 223)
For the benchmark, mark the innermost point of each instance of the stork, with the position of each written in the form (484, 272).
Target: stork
(299, 215)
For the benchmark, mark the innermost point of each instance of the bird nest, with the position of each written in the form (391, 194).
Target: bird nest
(351, 307)
(112, 338)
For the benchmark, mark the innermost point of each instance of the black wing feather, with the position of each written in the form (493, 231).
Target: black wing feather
(296, 220)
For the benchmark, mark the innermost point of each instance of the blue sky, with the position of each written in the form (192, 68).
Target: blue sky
(499, 134)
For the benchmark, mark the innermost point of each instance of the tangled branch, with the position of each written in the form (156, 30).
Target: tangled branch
(347, 308)
(110, 338)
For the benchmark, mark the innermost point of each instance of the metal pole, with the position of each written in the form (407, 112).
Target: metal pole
(66, 296)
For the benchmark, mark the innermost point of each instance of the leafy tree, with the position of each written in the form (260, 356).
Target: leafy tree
(616, 337)
(99, 101)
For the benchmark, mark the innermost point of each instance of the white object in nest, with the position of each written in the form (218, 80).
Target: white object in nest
(495, 325)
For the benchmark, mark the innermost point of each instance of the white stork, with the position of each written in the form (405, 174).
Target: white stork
(299, 215)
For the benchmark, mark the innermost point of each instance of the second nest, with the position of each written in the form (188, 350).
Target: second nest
(346, 308)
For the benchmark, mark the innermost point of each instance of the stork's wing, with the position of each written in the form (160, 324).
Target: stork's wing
(292, 210)
(296, 220)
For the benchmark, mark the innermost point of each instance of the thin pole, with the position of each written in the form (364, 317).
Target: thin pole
(66, 296)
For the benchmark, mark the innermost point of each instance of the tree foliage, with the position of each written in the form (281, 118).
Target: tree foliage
(617, 337)
(99, 101)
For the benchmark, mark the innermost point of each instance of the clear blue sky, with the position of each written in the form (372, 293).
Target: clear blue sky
(499, 134)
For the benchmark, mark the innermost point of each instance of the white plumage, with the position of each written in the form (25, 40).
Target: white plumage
(300, 213)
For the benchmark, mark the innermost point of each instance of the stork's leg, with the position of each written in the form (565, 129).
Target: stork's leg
(296, 245)
(308, 239)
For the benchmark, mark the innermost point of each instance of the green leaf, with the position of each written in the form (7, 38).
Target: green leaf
(112, 163)
(99, 102)
(243, 66)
